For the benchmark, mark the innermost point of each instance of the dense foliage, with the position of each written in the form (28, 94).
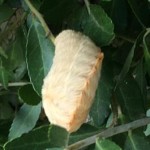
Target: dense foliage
(120, 27)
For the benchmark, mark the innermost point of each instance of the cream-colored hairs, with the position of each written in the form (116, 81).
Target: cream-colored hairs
(69, 87)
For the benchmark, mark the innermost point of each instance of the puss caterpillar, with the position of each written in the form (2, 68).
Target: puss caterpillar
(69, 88)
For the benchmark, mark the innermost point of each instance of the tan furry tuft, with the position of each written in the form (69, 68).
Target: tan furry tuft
(69, 87)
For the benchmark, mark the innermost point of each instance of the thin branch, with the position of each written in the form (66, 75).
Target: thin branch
(40, 18)
(128, 39)
(17, 84)
(110, 132)
(87, 6)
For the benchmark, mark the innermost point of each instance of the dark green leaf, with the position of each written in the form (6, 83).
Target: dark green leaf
(5, 13)
(4, 130)
(93, 22)
(5, 109)
(1, 148)
(28, 95)
(2, 53)
(136, 142)
(15, 63)
(40, 139)
(1, 2)
(59, 136)
(136, 10)
(85, 131)
(37, 139)
(100, 108)
(4, 76)
(129, 96)
(49, 8)
(139, 76)
(40, 52)
(98, 26)
(147, 50)
(128, 60)
(106, 145)
(25, 120)
(127, 65)
(119, 15)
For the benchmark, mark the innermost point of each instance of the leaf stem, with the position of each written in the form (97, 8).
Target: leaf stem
(109, 132)
(40, 18)
(17, 84)
(87, 6)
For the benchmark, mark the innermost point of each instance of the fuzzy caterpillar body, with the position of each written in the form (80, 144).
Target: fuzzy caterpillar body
(69, 88)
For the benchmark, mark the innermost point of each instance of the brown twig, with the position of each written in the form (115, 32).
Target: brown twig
(40, 18)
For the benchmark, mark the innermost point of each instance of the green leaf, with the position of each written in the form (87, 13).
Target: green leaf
(2, 53)
(40, 52)
(97, 25)
(119, 15)
(6, 110)
(28, 95)
(129, 96)
(37, 139)
(85, 131)
(127, 65)
(139, 76)
(147, 50)
(106, 145)
(1, 2)
(40, 139)
(100, 108)
(4, 75)
(6, 12)
(136, 141)
(25, 120)
(128, 60)
(15, 63)
(4, 130)
(59, 136)
(147, 131)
